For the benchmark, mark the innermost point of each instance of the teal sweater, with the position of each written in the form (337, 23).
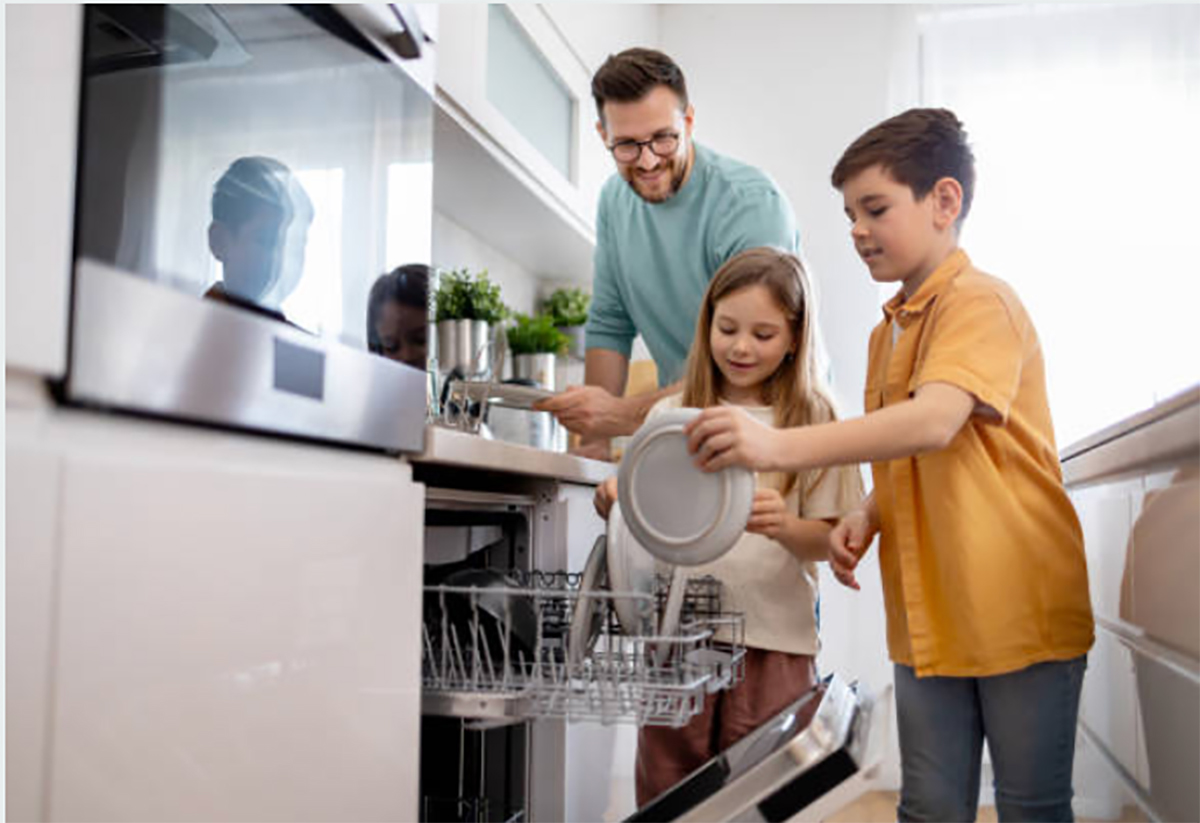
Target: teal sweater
(653, 261)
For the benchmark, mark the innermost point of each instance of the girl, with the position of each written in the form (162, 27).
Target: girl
(755, 347)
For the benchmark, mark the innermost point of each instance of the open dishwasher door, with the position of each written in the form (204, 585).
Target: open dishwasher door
(806, 751)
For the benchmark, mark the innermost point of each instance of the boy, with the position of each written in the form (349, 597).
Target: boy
(981, 553)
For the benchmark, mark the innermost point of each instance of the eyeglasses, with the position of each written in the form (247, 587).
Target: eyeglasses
(630, 151)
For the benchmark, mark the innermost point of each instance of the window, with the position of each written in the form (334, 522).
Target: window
(1085, 122)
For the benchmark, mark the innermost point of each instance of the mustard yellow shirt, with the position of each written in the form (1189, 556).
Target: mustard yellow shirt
(980, 548)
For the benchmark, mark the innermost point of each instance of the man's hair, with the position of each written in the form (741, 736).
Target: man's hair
(917, 148)
(632, 74)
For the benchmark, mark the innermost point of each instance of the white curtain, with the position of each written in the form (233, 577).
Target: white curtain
(1085, 121)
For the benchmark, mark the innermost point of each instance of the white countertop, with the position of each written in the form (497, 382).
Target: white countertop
(456, 448)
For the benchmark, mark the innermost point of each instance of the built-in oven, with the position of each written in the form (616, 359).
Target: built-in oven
(254, 218)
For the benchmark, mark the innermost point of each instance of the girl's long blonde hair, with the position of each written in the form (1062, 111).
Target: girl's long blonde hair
(796, 391)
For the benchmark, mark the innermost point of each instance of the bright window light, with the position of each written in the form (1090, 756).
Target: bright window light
(1085, 122)
(316, 304)
(409, 220)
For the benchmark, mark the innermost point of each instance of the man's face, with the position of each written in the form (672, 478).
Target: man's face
(654, 178)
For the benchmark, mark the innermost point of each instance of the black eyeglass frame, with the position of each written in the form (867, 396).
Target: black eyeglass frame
(643, 144)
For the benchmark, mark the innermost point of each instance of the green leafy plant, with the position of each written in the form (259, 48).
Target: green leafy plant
(536, 335)
(568, 307)
(463, 296)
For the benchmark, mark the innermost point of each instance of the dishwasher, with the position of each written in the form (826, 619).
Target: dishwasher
(503, 671)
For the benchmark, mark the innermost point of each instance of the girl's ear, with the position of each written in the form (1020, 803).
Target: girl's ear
(947, 202)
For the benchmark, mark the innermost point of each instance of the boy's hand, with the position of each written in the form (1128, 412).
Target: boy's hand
(723, 436)
(848, 542)
(606, 495)
(767, 516)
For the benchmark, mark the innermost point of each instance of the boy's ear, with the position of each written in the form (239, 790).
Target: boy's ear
(947, 202)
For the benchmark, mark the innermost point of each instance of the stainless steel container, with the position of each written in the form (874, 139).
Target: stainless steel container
(465, 345)
(536, 367)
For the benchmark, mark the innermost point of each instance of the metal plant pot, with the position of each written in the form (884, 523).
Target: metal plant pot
(536, 367)
(576, 335)
(465, 345)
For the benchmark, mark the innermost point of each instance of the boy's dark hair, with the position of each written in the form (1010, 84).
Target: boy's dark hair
(249, 184)
(630, 76)
(917, 148)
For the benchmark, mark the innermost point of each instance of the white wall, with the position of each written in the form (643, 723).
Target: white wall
(787, 88)
(455, 247)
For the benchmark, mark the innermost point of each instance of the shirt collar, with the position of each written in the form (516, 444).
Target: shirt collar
(934, 284)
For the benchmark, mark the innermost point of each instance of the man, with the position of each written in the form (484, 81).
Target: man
(666, 222)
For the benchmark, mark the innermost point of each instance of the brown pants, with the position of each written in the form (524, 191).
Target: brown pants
(773, 680)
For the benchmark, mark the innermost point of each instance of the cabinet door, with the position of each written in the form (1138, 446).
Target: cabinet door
(510, 70)
(31, 493)
(237, 633)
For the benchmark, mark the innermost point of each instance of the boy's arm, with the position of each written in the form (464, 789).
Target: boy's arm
(727, 436)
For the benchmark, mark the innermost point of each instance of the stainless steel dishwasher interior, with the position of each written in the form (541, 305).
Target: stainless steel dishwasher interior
(475, 770)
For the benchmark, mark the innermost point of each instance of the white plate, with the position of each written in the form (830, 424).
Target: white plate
(677, 512)
(631, 571)
(585, 625)
(660, 653)
(512, 395)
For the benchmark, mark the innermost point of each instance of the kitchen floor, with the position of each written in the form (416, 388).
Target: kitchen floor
(880, 807)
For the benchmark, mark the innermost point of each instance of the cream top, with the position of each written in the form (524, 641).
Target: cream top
(776, 591)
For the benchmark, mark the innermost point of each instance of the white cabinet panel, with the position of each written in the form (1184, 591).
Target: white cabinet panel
(237, 633)
(31, 494)
(41, 65)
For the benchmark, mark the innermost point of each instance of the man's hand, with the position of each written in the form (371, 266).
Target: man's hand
(592, 412)
(727, 436)
(848, 542)
(606, 495)
(767, 516)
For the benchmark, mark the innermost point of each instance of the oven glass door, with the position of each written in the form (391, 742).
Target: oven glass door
(271, 168)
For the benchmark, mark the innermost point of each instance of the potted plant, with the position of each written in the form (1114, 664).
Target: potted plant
(466, 307)
(534, 342)
(569, 310)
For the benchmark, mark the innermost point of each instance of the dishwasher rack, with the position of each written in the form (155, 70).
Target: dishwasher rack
(504, 653)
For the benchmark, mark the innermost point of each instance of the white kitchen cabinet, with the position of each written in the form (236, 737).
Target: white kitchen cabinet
(42, 59)
(1136, 488)
(213, 626)
(33, 475)
(517, 159)
(488, 55)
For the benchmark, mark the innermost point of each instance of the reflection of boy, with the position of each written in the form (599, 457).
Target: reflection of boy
(398, 315)
(260, 219)
(984, 578)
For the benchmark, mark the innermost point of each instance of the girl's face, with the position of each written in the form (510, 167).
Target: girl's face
(750, 336)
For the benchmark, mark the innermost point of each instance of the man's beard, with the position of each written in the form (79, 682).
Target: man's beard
(677, 171)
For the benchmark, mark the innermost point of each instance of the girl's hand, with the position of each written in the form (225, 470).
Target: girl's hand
(725, 436)
(848, 542)
(767, 516)
(606, 495)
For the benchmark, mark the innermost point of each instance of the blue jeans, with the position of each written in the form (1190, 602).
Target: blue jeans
(1028, 718)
